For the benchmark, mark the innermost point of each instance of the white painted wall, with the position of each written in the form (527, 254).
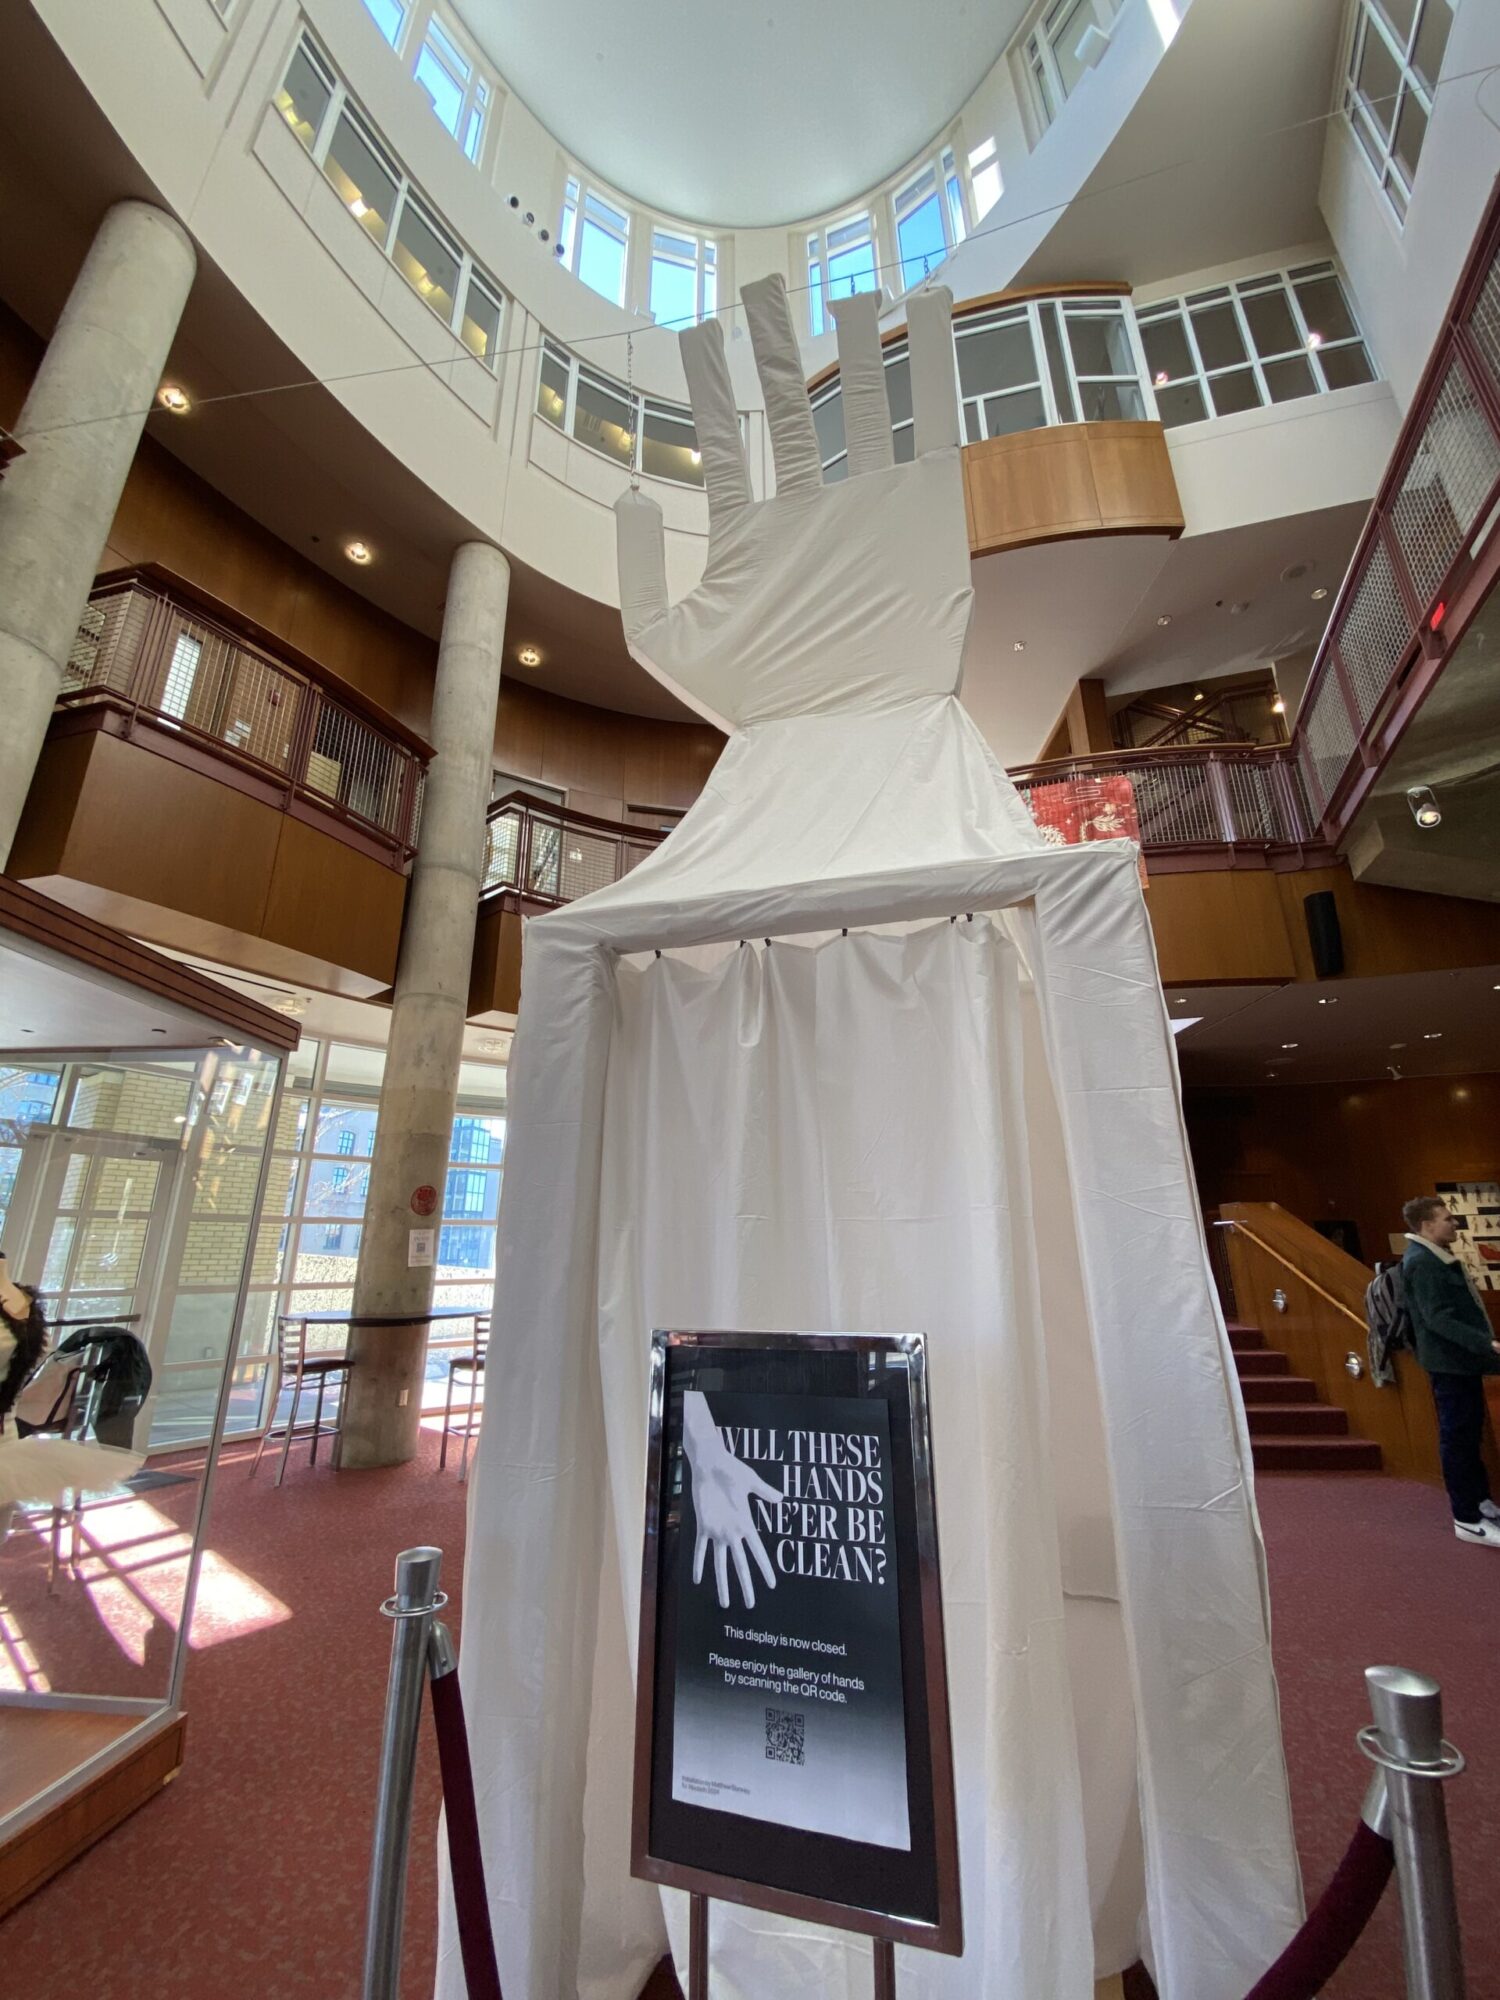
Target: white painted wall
(1403, 277)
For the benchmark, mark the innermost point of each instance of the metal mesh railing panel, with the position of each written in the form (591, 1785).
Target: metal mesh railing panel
(1328, 738)
(1174, 803)
(502, 851)
(1257, 810)
(1484, 320)
(108, 645)
(1375, 634)
(588, 861)
(356, 767)
(1451, 475)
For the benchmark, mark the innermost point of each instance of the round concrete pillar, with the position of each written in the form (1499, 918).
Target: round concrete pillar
(427, 1016)
(79, 430)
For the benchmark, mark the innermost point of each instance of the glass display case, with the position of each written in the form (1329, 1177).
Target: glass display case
(137, 1103)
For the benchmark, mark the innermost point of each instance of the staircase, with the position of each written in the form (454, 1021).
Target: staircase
(1290, 1429)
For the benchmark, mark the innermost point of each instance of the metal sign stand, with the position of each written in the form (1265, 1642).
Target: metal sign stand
(885, 1956)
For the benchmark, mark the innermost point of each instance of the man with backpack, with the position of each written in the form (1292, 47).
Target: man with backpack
(1456, 1344)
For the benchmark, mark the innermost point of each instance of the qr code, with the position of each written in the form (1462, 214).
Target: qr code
(784, 1736)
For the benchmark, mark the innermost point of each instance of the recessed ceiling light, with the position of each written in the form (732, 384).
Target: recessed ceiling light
(1398, 1045)
(1291, 1045)
(174, 398)
(1164, 619)
(1197, 694)
(1328, 1000)
(1315, 339)
(529, 656)
(696, 457)
(1278, 706)
(1018, 646)
(1436, 1036)
(491, 1046)
(1320, 593)
(359, 552)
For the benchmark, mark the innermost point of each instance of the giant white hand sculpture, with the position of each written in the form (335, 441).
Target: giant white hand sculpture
(854, 595)
(722, 1488)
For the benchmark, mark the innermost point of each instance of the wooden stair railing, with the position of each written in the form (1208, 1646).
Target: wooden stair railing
(1319, 1324)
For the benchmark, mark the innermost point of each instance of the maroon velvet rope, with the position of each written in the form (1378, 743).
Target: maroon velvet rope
(1332, 1929)
(1317, 1951)
(465, 1858)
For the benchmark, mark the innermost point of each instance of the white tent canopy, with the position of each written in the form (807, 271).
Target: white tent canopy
(972, 1128)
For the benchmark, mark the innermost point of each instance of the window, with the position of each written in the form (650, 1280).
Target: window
(641, 432)
(390, 17)
(1052, 58)
(1264, 340)
(593, 237)
(984, 178)
(684, 278)
(375, 189)
(458, 93)
(306, 93)
(954, 188)
(182, 672)
(362, 174)
(840, 262)
(828, 415)
(921, 229)
(1395, 53)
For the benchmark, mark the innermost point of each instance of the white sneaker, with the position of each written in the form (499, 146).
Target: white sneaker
(1485, 1533)
(1489, 1510)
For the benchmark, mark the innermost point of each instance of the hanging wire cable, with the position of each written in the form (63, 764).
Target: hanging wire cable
(672, 326)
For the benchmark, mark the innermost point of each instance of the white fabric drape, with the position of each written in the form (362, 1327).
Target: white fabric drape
(834, 1138)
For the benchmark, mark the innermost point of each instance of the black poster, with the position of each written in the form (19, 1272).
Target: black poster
(792, 1743)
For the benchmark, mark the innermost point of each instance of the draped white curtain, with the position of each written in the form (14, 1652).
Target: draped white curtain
(835, 1137)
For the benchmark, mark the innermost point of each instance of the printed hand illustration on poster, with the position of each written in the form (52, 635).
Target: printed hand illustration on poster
(722, 1490)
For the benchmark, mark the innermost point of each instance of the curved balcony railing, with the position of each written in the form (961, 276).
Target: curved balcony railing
(1426, 558)
(150, 656)
(549, 854)
(1199, 807)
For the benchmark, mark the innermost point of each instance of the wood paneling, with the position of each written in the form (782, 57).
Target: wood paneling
(1355, 1151)
(39, 1851)
(1392, 930)
(495, 972)
(1069, 479)
(1223, 928)
(119, 818)
(1320, 1324)
(1230, 927)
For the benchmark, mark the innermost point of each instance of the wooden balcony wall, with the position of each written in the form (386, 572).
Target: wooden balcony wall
(179, 856)
(1069, 480)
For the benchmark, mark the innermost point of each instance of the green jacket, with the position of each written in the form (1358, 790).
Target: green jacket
(1451, 1326)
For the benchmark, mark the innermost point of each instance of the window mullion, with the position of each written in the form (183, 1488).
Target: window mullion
(1243, 322)
(570, 405)
(330, 125)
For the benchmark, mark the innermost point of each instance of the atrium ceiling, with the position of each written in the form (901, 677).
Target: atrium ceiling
(746, 117)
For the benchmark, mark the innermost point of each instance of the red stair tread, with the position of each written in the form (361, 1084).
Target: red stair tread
(1245, 1337)
(1297, 1420)
(1272, 1389)
(1315, 1454)
(1261, 1361)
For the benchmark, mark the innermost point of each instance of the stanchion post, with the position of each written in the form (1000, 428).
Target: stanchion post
(1406, 1741)
(416, 1601)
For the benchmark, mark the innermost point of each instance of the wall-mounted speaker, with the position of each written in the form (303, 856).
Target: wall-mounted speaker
(1323, 934)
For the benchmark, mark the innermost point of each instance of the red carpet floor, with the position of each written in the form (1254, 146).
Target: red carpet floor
(247, 1877)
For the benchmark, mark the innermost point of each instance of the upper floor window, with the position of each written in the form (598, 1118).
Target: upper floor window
(929, 216)
(458, 93)
(455, 86)
(684, 277)
(1052, 51)
(641, 433)
(984, 178)
(1264, 340)
(378, 194)
(593, 240)
(1395, 53)
(840, 262)
(390, 17)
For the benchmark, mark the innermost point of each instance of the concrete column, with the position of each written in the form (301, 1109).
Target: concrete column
(79, 429)
(427, 1018)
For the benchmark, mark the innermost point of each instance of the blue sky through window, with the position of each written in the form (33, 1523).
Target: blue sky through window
(389, 16)
(921, 240)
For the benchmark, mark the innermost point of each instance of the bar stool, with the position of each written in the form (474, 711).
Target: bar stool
(471, 1367)
(295, 1364)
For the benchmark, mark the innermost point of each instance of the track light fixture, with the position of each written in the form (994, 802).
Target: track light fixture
(1424, 807)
